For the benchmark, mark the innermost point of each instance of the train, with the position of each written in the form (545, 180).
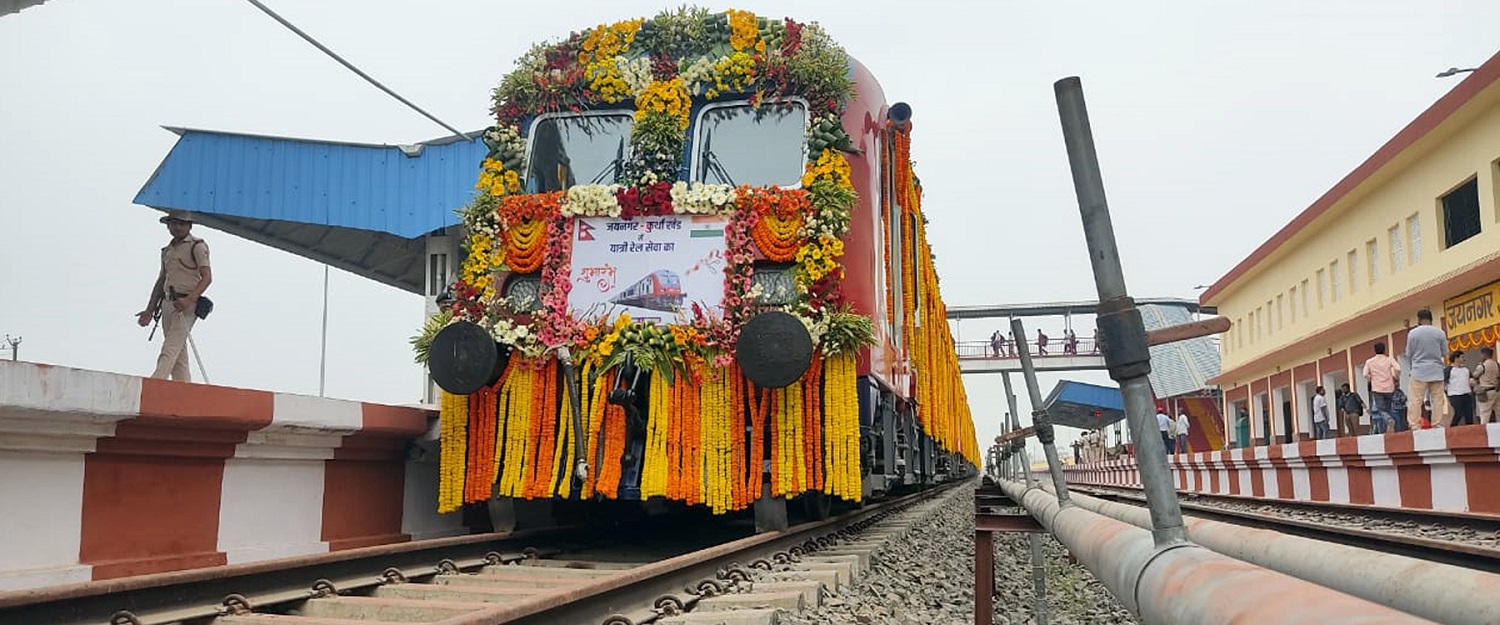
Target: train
(758, 160)
(660, 290)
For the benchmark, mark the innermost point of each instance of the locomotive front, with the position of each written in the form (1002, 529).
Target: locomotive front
(651, 304)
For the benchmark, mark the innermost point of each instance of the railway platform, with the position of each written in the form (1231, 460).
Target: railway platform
(1453, 469)
(109, 475)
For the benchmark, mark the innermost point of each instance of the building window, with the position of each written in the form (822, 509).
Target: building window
(1280, 312)
(1254, 328)
(1338, 285)
(1460, 214)
(1292, 295)
(1394, 241)
(437, 281)
(1239, 332)
(1372, 258)
(1414, 233)
(1353, 262)
(1322, 289)
(1306, 300)
(1270, 318)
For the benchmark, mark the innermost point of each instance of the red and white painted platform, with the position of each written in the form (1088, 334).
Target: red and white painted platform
(1448, 469)
(105, 475)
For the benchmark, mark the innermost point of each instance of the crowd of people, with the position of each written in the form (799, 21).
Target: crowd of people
(1003, 346)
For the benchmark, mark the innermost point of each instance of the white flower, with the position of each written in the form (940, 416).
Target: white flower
(702, 199)
(696, 75)
(636, 73)
(591, 200)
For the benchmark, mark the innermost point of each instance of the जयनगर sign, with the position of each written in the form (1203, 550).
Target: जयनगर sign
(653, 268)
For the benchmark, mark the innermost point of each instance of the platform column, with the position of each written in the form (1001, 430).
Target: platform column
(442, 261)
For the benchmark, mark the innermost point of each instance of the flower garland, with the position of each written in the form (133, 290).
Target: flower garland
(780, 215)
(706, 424)
(453, 417)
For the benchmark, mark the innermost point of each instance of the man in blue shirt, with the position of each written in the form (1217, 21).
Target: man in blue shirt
(1425, 347)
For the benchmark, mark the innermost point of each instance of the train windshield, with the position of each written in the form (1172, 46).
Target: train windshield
(575, 149)
(743, 145)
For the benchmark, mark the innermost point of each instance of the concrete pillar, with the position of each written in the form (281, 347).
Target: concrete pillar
(441, 268)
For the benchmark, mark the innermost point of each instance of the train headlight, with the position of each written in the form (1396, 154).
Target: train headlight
(776, 283)
(524, 293)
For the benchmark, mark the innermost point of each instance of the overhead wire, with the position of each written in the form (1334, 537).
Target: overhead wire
(356, 70)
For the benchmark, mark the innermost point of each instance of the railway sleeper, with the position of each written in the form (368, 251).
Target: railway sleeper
(803, 583)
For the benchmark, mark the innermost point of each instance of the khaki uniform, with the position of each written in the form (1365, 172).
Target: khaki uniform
(1489, 377)
(180, 262)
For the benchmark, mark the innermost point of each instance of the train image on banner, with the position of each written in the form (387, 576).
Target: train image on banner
(659, 290)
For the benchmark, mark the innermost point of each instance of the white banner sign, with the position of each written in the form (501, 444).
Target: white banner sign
(653, 268)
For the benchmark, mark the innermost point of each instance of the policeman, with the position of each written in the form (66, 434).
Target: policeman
(183, 277)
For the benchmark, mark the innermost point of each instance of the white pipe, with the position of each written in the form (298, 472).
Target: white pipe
(1187, 584)
(1441, 592)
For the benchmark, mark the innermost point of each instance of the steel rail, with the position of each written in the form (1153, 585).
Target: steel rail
(1403, 514)
(197, 593)
(629, 589)
(1437, 550)
(218, 591)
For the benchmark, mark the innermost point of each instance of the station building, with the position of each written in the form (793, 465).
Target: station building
(1414, 226)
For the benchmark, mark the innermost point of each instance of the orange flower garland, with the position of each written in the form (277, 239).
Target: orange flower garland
(780, 215)
(525, 245)
(523, 219)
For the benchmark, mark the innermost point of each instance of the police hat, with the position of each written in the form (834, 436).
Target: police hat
(178, 215)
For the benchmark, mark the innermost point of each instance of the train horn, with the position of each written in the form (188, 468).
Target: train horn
(899, 114)
(774, 349)
(464, 358)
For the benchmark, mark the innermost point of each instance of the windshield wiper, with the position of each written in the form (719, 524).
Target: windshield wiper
(613, 167)
(711, 162)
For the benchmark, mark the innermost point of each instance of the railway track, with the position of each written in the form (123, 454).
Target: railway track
(560, 576)
(1466, 540)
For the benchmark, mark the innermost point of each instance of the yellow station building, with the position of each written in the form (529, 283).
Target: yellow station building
(1414, 226)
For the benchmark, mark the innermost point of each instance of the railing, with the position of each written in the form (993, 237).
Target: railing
(977, 350)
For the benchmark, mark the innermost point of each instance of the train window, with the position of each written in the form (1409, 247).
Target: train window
(777, 285)
(573, 149)
(738, 144)
(524, 293)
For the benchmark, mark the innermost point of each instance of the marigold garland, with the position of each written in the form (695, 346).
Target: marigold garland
(711, 436)
(453, 417)
(524, 248)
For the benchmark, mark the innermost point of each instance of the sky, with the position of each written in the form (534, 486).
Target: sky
(1215, 123)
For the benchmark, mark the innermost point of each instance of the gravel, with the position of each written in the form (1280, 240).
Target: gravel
(927, 578)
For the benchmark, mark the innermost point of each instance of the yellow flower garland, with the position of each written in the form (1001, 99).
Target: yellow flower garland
(479, 266)
(665, 96)
(453, 420)
(498, 181)
(744, 32)
(605, 42)
(517, 404)
(655, 466)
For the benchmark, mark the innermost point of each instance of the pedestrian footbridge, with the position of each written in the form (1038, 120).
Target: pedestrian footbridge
(1198, 358)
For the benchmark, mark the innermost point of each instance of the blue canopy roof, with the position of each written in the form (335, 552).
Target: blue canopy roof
(360, 207)
(1075, 403)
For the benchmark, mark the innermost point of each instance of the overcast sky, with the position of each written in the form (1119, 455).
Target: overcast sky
(1215, 123)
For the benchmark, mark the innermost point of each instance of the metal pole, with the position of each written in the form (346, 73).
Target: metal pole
(1010, 398)
(1038, 559)
(1120, 326)
(1039, 418)
(323, 350)
(201, 371)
